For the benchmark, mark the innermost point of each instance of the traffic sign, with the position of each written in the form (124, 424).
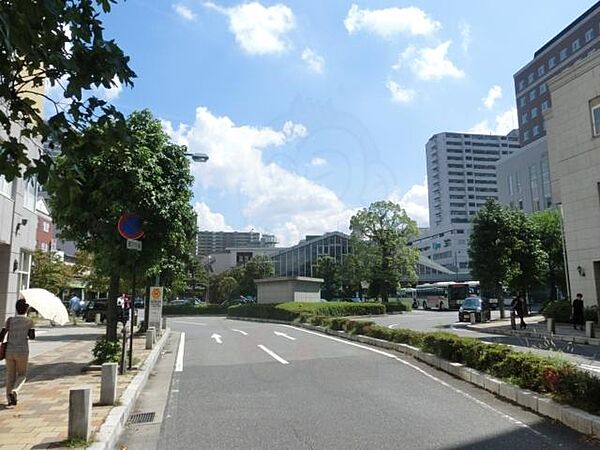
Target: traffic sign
(130, 226)
(132, 244)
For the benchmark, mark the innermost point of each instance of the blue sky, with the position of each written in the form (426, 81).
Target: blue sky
(312, 109)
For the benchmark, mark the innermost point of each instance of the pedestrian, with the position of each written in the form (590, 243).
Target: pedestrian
(74, 305)
(519, 307)
(20, 330)
(578, 316)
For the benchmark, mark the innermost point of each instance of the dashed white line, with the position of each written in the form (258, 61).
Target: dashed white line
(188, 323)
(272, 354)
(279, 333)
(180, 352)
(240, 331)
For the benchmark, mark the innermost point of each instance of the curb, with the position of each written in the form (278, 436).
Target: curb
(574, 418)
(536, 335)
(110, 431)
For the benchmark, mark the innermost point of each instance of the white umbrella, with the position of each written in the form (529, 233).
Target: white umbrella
(46, 304)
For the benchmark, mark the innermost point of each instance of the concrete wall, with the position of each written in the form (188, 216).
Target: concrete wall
(289, 289)
(574, 153)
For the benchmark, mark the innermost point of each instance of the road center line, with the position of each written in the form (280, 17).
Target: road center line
(240, 331)
(188, 323)
(180, 352)
(481, 403)
(272, 354)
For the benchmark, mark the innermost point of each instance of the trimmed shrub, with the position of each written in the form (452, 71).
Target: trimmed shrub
(335, 309)
(559, 310)
(106, 351)
(401, 306)
(191, 310)
(591, 313)
(262, 311)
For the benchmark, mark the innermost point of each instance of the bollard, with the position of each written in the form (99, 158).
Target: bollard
(473, 318)
(153, 330)
(149, 340)
(108, 384)
(551, 325)
(164, 323)
(97, 318)
(589, 329)
(80, 412)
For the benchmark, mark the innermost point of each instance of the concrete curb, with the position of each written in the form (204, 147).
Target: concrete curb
(536, 335)
(107, 437)
(574, 418)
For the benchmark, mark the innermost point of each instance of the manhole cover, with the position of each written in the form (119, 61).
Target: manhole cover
(142, 418)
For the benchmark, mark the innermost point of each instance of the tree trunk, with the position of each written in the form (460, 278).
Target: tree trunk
(111, 308)
(500, 297)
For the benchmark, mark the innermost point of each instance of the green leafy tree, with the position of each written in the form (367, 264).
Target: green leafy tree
(382, 232)
(59, 43)
(329, 269)
(548, 229)
(258, 267)
(49, 272)
(92, 185)
(354, 271)
(86, 270)
(222, 286)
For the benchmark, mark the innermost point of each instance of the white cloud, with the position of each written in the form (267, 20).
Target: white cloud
(495, 93)
(400, 94)
(270, 196)
(315, 162)
(429, 63)
(465, 34)
(505, 122)
(390, 22)
(293, 130)
(208, 220)
(414, 202)
(184, 11)
(314, 62)
(111, 93)
(258, 29)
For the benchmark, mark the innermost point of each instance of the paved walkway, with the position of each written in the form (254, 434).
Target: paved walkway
(40, 419)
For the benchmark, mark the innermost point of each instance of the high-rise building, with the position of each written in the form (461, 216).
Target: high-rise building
(210, 242)
(573, 43)
(461, 177)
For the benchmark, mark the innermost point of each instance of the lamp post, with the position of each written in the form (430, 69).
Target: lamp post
(198, 157)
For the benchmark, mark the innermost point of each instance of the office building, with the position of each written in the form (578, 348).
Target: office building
(461, 177)
(573, 125)
(210, 242)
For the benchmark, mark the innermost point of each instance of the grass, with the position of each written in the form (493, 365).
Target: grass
(76, 443)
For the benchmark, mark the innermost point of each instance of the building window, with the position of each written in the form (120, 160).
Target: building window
(44, 247)
(596, 119)
(530, 78)
(532, 95)
(533, 187)
(543, 88)
(526, 135)
(575, 45)
(534, 112)
(589, 35)
(521, 85)
(23, 271)
(30, 194)
(5, 187)
(545, 105)
(546, 182)
(510, 185)
(524, 118)
(46, 227)
(522, 101)
(551, 62)
(541, 71)
(563, 54)
(536, 130)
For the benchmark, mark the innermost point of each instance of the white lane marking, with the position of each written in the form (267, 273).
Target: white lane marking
(240, 331)
(481, 403)
(393, 325)
(217, 338)
(272, 354)
(279, 333)
(590, 367)
(180, 352)
(187, 323)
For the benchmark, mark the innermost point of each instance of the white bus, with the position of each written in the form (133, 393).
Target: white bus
(445, 294)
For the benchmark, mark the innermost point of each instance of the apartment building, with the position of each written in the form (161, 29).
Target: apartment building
(210, 242)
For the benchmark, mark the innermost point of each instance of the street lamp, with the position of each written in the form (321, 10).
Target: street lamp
(198, 157)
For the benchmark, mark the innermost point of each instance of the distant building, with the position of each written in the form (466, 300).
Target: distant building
(574, 150)
(210, 242)
(233, 257)
(461, 177)
(44, 235)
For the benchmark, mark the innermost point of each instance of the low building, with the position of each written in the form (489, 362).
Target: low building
(288, 289)
(235, 257)
(573, 132)
(44, 235)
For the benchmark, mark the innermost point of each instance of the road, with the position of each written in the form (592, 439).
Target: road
(585, 356)
(246, 385)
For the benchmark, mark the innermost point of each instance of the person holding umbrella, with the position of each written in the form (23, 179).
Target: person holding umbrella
(19, 329)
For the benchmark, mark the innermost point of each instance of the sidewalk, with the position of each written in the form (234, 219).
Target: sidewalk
(536, 328)
(40, 420)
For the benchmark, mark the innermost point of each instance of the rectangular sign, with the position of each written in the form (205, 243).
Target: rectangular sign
(132, 244)
(156, 301)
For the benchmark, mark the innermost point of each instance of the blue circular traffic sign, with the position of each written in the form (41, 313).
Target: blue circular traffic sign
(130, 226)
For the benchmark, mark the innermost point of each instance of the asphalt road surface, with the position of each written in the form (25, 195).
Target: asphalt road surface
(246, 385)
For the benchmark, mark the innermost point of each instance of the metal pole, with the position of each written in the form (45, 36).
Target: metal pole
(123, 349)
(564, 243)
(131, 311)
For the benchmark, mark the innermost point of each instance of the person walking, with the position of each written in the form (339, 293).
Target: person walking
(578, 316)
(74, 305)
(20, 330)
(519, 307)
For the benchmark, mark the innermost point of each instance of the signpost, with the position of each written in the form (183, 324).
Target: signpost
(132, 244)
(155, 306)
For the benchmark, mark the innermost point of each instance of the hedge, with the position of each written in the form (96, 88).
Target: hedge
(190, 310)
(400, 306)
(561, 379)
(560, 311)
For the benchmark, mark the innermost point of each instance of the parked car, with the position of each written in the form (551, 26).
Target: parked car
(180, 302)
(477, 305)
(94, 307)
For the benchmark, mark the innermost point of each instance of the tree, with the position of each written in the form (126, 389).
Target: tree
(329, 269)
(92, 185)
(49, 272)
(258, 267)
(85, 269)
(353, 272)
(59, 43)
(548, 229)
(382, 232)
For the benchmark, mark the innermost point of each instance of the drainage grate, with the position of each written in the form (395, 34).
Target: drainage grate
(141, 418)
